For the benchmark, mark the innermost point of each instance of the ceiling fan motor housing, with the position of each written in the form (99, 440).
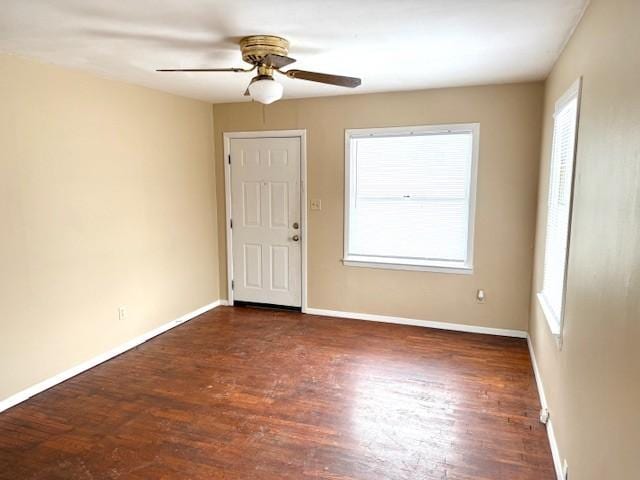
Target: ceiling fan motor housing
(256, 47)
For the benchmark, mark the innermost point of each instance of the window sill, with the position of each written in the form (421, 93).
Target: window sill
(437, 267)
(552, 320)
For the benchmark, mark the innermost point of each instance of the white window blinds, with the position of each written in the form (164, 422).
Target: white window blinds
(409, 196)
(559, 207)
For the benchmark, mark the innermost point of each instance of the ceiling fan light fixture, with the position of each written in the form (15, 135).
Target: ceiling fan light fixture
(265, 90)
(268, 54)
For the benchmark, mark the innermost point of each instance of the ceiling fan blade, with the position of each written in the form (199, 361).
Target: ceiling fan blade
(341, 81)
(277, 61)
(204, 70)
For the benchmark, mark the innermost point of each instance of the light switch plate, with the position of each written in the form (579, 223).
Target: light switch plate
(316, 204)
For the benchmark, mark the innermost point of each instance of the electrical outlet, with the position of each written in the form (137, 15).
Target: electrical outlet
(480, 296)
(122, 313)
(316, 204)
(544, 416)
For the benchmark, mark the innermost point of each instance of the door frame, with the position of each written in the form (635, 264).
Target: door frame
(302, 135)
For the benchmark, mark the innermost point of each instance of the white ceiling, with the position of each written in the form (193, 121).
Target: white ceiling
(391, 44)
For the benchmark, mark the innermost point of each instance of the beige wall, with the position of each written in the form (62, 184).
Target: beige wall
(509, 116)
(593, 384)
(106, 199)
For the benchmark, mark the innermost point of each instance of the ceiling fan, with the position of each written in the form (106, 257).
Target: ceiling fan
(268, 54)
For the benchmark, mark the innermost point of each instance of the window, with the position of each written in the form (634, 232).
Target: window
(559, 207)
(409, 197)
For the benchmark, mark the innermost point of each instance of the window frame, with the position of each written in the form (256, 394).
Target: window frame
(399, 263)
(556, 322)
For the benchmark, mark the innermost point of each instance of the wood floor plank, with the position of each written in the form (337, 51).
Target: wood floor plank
(242, 393)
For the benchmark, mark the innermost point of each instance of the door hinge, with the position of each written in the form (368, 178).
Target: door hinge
(232, 285)
(229, 158)
(231, 223)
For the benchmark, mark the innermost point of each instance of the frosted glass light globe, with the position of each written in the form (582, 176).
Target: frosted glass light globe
(265, 91)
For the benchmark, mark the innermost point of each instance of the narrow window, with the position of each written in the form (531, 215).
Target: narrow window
(410, 197)
(565, 128)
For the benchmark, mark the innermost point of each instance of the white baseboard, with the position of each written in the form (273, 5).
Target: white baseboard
(553, 443)
(73, 371)
(459, 327)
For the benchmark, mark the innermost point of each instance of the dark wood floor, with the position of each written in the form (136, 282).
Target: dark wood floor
(253, 394)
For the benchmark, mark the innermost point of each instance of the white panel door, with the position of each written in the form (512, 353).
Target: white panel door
(265, 211)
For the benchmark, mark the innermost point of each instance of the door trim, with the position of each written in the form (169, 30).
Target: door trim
(302, 135)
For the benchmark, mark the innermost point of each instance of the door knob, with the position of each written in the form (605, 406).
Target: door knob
(295, 238)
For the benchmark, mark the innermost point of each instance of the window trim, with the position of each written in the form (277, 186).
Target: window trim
(426, 265)
(555, 322)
